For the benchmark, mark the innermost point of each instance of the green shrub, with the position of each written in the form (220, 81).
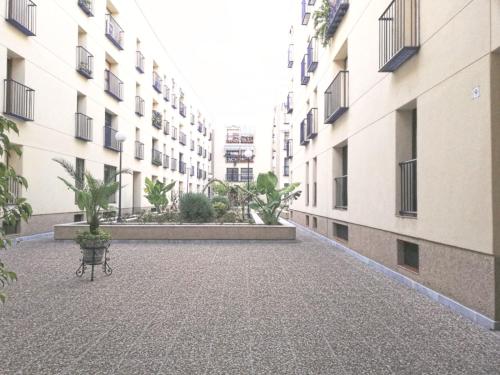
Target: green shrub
(164, 217)
(220, 209)
(230, 217)
(196, 208)
(220, 199)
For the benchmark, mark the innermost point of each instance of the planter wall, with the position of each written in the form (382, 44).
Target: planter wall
(286, 231)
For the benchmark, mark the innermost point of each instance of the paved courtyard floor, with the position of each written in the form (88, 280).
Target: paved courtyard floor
(234, 308)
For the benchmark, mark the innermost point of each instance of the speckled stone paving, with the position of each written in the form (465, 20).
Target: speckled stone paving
(227, 308)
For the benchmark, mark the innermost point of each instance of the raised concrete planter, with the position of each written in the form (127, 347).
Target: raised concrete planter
(285, 231)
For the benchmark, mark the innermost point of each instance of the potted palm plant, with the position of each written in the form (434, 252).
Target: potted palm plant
(92, 197)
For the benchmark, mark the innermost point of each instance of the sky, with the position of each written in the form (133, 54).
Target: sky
(232, 52)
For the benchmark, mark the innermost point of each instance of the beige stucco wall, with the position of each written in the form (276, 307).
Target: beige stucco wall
(49, 68)
(455, 185)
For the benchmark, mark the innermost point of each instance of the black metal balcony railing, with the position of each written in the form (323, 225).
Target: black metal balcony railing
(139, 150)
(289, 148)
(338, 9)
(19, 100)
(14, 188)
(210, 156)
(182, 109)
(191, 171)
(166, 93)
(166, 127)
(173, 131)
(204, 153)
(83, 127)
(408, 187)
(191, 147)
(139, 106)
(312, 123)
(113, 85)
(289, 102)
(399, 34)
(237, 157)
(110, 141)
(174, 100)
(156, 157)
(173, 164)
(22, 15)
(290, 56)
(337, 97)
(114, 32)
(312, 55)
(139, 61)
(305, 14)
(341, 192)
(166, 161)
(87, 6)
(182, 167)
(204, 131)
(246, 139)
(200, 150)
(200, 127)
(204, 175)
(199, 173)
(303, 134)
(157, 82)
(286, 170)
(84, 62)
(304, 76)
(156, 119)
(182, 138)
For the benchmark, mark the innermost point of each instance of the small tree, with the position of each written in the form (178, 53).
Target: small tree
(321, 18)
(13, 208)
(92, 194)
(156, 193)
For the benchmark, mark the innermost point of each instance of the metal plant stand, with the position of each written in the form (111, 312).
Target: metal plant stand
(105, 265)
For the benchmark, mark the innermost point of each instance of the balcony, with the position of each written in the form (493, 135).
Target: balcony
(173, 164)
(199, 173)
(139, 106)
(305, 14)
(182, 109)
(84, 62)
(304, 76)
(200, 150)
(312, 55)
(237, 156)
(289, 148)
(303, 138)
(87, 6)
(173, 130)
(399, 34)
(156, 157)
(166, 161)
(110, 141)
(290, 56)
(191, 147)
(248, 139)
(19, 100)
(157, 83)
(114, 32)
(156, 119)
(182, 138)
(139, 61)
(166, 93)
(113, 85)
(312, 123)
(341, 192)
(166, 127)
(191, 171)
(289, 102)
(338, 9)
(408, 183)
(204, 153)
(182, 167)
(200, 127)
(286, 170)
(210, 156)
(174, 101)
(139, 150)
(22, 15)
(204, 175)
(83, 127)
(337, 97)
(191, 119)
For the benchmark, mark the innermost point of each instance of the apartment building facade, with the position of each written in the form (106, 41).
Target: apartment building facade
(77, 73)
(282, 147)
(242, 153)
(396, 138)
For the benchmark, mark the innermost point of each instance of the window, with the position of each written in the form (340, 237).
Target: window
(232, 174)
(341, 231)
(315, 184)
(110, 176)
(340, 182)
(307, 220)
(315, 223)
(408, 255)
(78, 218)
(406, 151)
(246, 174)
(307, 184)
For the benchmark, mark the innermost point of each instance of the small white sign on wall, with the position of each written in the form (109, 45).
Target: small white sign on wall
(476, 92)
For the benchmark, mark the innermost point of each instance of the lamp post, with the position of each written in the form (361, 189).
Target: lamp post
(120, 138)
(248, 155)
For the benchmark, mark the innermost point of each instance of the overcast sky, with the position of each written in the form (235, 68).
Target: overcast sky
(232, 52)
